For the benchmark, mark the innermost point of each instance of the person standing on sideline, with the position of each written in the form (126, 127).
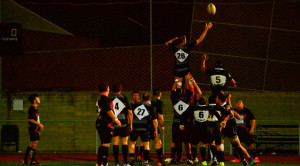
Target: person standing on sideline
(34, 129)
(105, 119)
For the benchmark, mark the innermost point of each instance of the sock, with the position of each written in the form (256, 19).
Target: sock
(250, 159)
(179, 150)
(159, 155)
(173, 151)
(116, 153)
(99, 161)
(146, 155)
(104, 154)
(136, 150)
(235, 153)
(220, 156)
(194, 152)
(238, 150)
(188, 156)
(203, 153)
(33, 155)
(125, 152)
(214, 151)
(252, 152)
(131, 157)
(28, 149)
(142, 151)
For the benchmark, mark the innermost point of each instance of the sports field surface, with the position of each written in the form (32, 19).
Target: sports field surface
(90, 159)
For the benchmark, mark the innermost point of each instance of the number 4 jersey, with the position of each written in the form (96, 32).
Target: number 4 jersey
(120, 106)
(143, 117)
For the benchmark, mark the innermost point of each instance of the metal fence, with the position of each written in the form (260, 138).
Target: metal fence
(87, 42)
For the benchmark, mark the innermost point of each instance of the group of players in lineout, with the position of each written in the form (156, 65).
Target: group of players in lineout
(195, 120)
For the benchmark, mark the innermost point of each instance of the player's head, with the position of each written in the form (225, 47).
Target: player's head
(117, 88)
(103, 87)
(202, 101)
(135, 96)
(182, 40)
(221, 98)
(218, 64)
(239, 105)
(157, 93)
(34, 99)
(146, 96)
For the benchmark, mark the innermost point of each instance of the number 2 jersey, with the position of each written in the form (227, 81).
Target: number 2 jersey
(143, 117)
(219, 78)
(181, 65)
(120, 106)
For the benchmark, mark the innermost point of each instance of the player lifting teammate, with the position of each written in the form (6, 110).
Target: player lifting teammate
(105, 118)
(123, 112)
(181, 124)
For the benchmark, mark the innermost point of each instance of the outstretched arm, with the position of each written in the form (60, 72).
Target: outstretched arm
(199, 92)
(202, 36)
(170, 41)
(204, 58)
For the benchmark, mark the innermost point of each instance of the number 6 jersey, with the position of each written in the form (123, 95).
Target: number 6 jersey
(181, 104)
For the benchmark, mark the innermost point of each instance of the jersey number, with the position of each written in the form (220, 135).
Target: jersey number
(180, 56)
(141, 111)
(218, 79)
(180, 107)
(117, 106)
(201, 115)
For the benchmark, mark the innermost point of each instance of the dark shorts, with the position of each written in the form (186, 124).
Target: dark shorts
(181, 74)
(179, 135)
(202, 132)
(34, 136)
(121, 132)
(105, 133)
(145, 137)
(230, 131)
(215, 126)
(245, 137)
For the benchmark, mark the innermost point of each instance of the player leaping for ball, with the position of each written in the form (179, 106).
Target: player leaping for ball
(181, 50)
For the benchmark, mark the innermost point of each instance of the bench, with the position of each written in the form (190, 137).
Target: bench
(277, 136)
